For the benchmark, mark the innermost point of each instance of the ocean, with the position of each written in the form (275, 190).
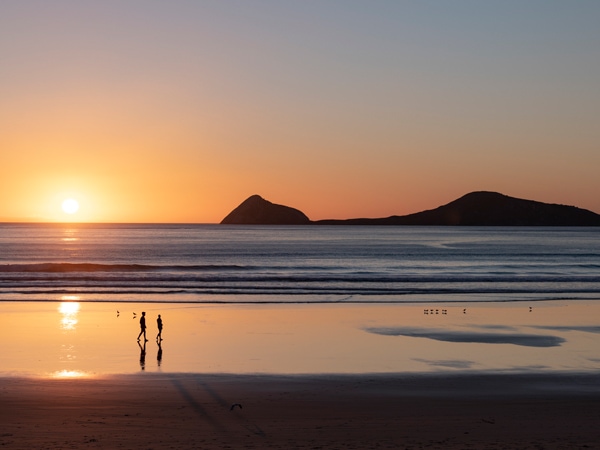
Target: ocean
(296, 264)
(297, 300)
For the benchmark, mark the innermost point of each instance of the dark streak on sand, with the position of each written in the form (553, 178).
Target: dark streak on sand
(528, 340)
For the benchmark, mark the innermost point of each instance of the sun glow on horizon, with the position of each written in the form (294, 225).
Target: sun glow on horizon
(70, 206)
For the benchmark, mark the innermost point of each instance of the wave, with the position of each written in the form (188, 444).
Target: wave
(56, 278)
(292, 290)
(192, 279)
(94, 267)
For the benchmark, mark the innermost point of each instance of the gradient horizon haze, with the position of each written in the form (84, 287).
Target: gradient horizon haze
(148, 111)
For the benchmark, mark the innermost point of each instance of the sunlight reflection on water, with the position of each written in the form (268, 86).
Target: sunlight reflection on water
(69, 310)
(70, 235)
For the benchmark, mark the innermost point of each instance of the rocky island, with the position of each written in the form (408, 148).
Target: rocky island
(474, 209)
(255, 210)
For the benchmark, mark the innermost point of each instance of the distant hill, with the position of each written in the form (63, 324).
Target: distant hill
(255, 210)
(474, 209)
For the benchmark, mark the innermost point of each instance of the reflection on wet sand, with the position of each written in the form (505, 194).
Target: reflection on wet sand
(69, 310)
(142, 355)
(528, 340)
(300, 339)
(69, 374)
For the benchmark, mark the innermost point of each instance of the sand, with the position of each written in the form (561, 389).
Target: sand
(195, 411)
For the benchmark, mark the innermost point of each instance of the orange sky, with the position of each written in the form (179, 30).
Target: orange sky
(178, 111)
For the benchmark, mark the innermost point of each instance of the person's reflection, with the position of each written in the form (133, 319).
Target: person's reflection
(142, 355)
(159, 354)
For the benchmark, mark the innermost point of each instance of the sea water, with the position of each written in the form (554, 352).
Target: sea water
(216, 263)
(298, 300)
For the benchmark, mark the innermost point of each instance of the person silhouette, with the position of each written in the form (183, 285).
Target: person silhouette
(159, 323)
(142, 327)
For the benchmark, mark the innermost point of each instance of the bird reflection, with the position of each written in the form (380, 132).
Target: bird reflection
(142, 355)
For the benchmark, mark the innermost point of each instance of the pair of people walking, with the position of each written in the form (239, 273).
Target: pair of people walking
(159, 323)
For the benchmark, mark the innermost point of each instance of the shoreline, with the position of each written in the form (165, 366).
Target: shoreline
(424, 300)
(213, 411)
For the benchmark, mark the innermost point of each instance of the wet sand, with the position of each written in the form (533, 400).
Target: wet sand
(41, 339)
(196, 411)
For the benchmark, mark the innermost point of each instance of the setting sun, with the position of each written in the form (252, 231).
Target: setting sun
(70, 206)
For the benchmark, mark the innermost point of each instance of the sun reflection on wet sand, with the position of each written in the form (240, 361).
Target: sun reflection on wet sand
(69, 310)
(69, 374)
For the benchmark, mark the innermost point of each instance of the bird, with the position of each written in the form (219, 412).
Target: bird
(118, 313)
(234, 405)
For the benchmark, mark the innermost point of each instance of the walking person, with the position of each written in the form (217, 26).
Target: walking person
(142, 327)
(159, 323)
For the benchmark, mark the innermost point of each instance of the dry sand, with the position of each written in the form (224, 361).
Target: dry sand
(194, 411)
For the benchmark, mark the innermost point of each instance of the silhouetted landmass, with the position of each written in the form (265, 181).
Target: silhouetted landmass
(488, 209)
(255, 210)
(474, 209)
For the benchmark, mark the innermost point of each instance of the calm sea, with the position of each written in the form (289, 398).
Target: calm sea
(320, 264)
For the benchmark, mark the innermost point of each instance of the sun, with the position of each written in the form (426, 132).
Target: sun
(70, 206)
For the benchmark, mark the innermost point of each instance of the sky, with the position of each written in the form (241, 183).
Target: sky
(155, 111)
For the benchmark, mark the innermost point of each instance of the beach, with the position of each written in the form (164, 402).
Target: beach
(489, 376)
(193, 411)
